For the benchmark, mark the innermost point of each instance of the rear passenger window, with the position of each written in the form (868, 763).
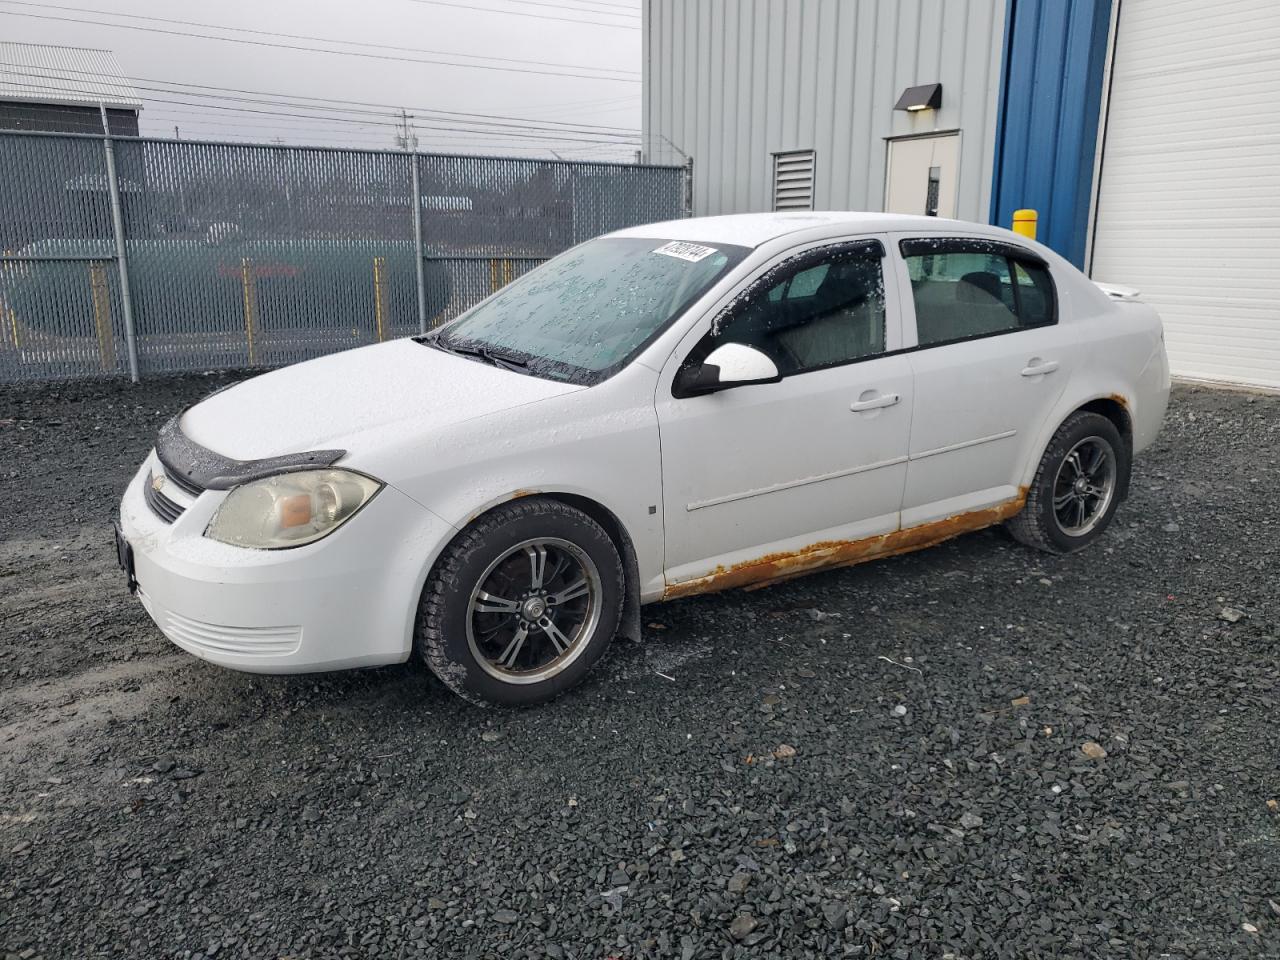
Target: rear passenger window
(962, 293)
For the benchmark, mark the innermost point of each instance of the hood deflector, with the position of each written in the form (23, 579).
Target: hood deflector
(191, 464)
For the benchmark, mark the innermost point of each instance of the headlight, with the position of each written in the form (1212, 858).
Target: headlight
(290, 509)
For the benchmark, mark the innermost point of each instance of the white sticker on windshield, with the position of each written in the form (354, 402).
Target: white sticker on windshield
(693, 252)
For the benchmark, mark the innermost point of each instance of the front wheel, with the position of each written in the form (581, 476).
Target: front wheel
(1077, 486)
(522, 604)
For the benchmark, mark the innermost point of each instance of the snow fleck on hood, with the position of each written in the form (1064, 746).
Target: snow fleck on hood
(356, 400)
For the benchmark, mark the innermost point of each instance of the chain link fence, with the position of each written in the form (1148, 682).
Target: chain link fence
(232, 255)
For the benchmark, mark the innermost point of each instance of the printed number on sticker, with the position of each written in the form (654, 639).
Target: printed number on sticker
(693, 252)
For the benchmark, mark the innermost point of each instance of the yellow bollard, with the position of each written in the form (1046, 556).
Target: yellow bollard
(493, 276)
(508, 272)
(379, 292)
(1024, 223)
(250, 305)
(102, 315)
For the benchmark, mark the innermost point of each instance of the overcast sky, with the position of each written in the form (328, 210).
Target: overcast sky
(598, 39)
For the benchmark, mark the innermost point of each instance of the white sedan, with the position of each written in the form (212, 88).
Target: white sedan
(664, 411)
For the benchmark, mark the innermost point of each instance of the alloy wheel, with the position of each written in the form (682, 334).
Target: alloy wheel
(1084, 486)
(533, 610)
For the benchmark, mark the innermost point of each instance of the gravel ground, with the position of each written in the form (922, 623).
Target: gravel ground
(974, 751)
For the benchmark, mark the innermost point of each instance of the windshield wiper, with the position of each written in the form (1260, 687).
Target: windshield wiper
(504, 360)
(487, 354)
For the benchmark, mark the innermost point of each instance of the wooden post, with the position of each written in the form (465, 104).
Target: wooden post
(379, 293)
(101, 296)
(250, 306)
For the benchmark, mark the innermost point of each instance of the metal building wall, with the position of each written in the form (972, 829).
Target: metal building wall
(730, 82)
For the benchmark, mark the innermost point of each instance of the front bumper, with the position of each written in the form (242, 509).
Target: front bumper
(348, 600)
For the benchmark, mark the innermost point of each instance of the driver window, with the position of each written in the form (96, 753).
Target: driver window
(819, 314)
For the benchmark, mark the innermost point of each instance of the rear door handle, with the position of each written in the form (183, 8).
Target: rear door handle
(1037, 367)
(875, 403)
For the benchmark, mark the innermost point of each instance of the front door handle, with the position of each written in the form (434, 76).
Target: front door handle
(1036, 367)
(875, 402)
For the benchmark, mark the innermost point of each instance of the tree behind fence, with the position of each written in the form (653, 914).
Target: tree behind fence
(256, 256)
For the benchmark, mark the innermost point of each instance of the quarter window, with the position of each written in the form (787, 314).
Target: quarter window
(825, 309)
(961, 293)
(1035, 294)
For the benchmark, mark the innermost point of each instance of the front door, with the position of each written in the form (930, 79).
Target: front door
(781, 469)
(921, 175)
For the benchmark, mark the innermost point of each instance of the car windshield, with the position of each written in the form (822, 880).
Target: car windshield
(586, 313)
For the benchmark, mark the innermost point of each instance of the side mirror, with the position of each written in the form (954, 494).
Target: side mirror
(728, 365)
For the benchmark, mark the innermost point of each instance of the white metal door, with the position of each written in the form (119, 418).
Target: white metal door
(1189, 195)
(921, 175)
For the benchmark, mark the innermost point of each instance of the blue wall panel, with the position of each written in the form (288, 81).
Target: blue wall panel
(1046, 134)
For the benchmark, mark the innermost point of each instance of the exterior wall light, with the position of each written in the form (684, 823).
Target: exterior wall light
(925, 97)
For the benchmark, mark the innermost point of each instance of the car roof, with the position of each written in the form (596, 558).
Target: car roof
(754, 229)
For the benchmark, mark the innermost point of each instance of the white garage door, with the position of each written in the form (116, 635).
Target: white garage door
(1189, 198)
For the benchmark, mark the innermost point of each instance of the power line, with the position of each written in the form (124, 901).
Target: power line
(370, 135)
(560, 6)
(592, 3)
(345, 53)
(488, 120)
(531, 133)
(583, 103)
(295, 36)
(378, 136)
(630, 103)
(317, 125)
(588, 4)
(536, 16)
(517, 132)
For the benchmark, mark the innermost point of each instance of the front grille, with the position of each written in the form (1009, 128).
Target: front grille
(160, 505)
(184, 483)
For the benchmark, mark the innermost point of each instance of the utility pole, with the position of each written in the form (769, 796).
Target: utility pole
(406, 139)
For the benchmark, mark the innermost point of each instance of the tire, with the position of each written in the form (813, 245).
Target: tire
(495, 630)
(1053, 518)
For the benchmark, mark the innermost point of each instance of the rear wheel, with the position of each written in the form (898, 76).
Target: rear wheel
(521, 604)
(1077, 486)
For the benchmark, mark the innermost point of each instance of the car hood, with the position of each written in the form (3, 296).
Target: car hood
(357, 400)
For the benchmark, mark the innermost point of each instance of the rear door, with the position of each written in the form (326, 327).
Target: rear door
(819, 456)
(990, 362)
